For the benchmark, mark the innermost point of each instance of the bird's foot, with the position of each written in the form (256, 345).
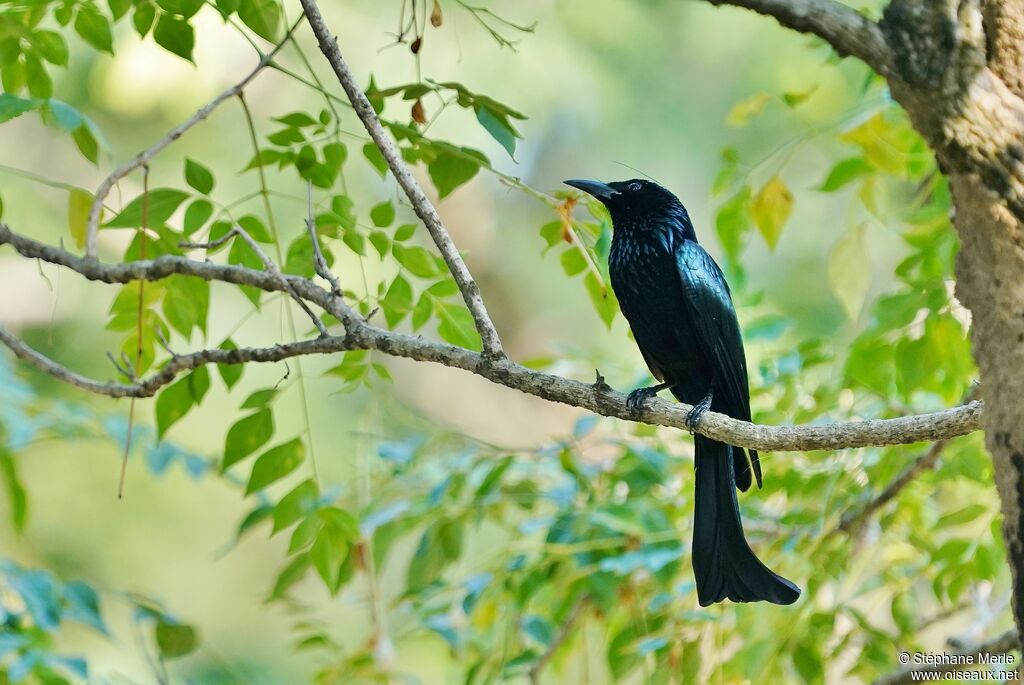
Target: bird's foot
(695, 414)
(636, 399)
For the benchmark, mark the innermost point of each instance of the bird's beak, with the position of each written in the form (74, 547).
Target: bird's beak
(602, 191)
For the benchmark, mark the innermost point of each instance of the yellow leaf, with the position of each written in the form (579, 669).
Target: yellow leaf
(79, 202)
(849, 271)
(742, 112)
(770, 209)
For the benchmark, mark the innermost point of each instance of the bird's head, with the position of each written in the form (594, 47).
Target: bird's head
(638, 204)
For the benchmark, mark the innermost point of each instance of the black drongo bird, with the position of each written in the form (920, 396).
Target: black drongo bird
(678, 305)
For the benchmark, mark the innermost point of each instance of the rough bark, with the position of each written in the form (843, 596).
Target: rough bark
(957, 71)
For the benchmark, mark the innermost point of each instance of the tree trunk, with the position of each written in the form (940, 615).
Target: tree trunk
(957, 69)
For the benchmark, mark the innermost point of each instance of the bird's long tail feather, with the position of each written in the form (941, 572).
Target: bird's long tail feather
(723, 563)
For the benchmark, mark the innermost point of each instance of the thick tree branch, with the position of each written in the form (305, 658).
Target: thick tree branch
(848, 31)
(144, 157)
(422, 206)
(1001, 644)
(596, 397)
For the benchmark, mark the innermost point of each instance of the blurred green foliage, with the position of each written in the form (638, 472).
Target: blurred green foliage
(566, 561)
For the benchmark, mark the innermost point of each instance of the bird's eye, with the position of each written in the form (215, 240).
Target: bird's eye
(633, 187)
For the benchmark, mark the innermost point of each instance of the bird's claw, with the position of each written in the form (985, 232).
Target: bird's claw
(636, 399)
(694, 416)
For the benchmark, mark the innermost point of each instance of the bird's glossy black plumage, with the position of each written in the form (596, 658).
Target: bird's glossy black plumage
(679, 308)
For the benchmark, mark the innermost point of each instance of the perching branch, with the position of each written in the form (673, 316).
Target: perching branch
(144, 157)
(848, 31)
(597, 397)
(424, 209)
(1007, 642)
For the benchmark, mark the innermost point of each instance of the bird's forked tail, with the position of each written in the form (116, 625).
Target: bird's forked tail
(723, 563)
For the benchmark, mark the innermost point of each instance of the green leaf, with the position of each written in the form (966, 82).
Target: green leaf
(291, 574)
(79, 202)
(404, 232)
(416, 259)
(64, 115)
(844, 172)
(298, 119)
(449, 170)
(15, 491)
(328, 556)
(230, 373)
(172, 404)
(196, 216)
(262, 16)
(186, 8)
(51, 46)
(744, 110)
(186, 304)
(260, 398)
(119, 8)
(770, 209)
(274, 464)
(142, 19)
(175, 35)
(381, 243)
(297, 504)
(246, 436)
(383, 214)
(94, 28)
(422, 312)
(175, 639)
(732, 223)
(962, 516)
(397, 302)
(849, 271)
(375, 158)
(602, 298)
(456, 326)
(198, 176)
(86, 143)
(573, 261)
(36, 78)
(12, 106)
(162, 204)
(499, 127)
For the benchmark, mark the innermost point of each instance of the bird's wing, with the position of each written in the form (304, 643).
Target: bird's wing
(712, 318)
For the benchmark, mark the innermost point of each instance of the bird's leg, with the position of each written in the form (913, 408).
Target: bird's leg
(693, 418)
(636, 399)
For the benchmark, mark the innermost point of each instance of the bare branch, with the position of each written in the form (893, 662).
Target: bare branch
(560, 637)
(272, 268)
(423, 207)
(853, 519)
(174, 367)
(596, 397)
(848, 31)
(319, 262)
(1001, 644)
(144, 157)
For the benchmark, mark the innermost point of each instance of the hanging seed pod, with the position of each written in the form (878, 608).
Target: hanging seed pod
(416, 45)
(436, 19)
(419, 115)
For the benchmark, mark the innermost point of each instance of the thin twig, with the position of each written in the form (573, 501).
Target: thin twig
(852, 520)
(144, 157)
(422, 206)
(319, 262)
(560, 637)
